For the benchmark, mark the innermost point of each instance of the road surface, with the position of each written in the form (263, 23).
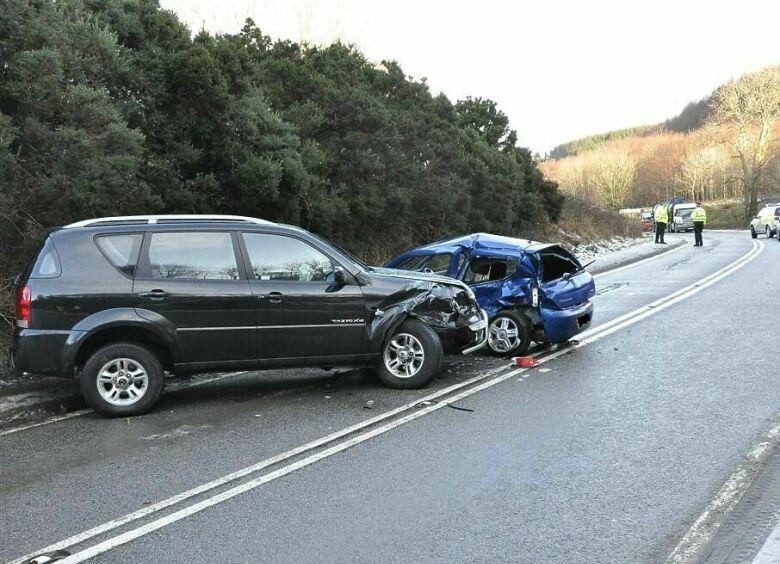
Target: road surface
(651, 440)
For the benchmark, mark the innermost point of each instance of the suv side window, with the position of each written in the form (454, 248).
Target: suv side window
(204, 255)
(278, 257)
(121, 250)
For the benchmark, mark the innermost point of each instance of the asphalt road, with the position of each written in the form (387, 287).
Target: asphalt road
(608, 452)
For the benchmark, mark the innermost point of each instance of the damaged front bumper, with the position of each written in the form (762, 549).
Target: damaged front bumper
(480, 330)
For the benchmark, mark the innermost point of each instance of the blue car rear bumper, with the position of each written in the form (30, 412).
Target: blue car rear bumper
(563, 324)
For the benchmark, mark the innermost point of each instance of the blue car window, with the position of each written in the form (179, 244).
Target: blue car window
(438, 263)
(489, 270)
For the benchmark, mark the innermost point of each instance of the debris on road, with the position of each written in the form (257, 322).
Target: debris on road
(369, 404)
(524, 361)
(453, 406)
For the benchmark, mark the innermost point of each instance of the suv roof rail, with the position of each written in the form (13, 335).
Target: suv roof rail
(163, 219)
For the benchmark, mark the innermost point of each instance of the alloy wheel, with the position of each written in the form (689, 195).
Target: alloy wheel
(122, 381)
(404, 355)
(504, 335)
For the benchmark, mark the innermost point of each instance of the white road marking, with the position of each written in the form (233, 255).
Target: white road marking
(709, 522)
(593, 336)
(770, 551)
(224, 480)
(71, 415)
(174, 387)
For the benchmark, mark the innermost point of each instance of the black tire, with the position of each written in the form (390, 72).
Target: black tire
(768, 232)
(516, 319)
(430, 344)
(135, 356)
(753, 233)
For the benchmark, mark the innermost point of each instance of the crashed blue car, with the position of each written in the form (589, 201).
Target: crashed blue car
(532, 292)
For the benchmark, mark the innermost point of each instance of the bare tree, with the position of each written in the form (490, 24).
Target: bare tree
(748, 108)
(615, 176)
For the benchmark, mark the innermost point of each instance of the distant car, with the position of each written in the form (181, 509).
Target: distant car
(118, 302)
(647, 220)
(531, 291)
(766, 221)
(680, 217)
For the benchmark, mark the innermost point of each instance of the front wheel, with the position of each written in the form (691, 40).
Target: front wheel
(753, 233)
(509, 333)
(411, 357)
(122, 379)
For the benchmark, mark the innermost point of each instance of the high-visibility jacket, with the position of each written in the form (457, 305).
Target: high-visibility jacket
(661, 215)
(699, 215)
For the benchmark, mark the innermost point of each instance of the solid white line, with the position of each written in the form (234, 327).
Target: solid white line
(47, 421)
(637, 263)
(174, 386)
(770, 551)
(709, 522)
(161, 522)
(224, 480)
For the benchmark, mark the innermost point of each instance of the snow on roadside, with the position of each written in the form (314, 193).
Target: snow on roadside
(591, 251)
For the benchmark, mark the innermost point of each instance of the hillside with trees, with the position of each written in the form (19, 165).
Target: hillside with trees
(112, 107)
(724, 147)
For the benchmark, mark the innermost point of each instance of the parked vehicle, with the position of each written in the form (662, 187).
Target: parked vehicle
(118, 302)
(531, 291)
(646, 218)
(766, 221)
(680, 217)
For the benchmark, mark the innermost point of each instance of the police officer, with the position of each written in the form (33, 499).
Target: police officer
(699, 217)
(661, 216)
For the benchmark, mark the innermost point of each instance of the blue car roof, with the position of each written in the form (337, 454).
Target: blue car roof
(484, 241)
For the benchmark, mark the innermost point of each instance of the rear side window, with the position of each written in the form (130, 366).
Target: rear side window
(47, 265)
(121, 250)
(193, 256)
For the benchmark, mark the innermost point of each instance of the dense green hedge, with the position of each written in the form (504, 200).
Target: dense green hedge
(112, 107)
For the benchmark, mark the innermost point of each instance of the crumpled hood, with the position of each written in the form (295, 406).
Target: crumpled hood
(414, 275)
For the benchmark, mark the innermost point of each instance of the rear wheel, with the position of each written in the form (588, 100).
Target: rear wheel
(411, 357)
(509, 333)
(122, 379)
(768, 232)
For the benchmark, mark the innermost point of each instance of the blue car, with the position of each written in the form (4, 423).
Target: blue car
(531, 291)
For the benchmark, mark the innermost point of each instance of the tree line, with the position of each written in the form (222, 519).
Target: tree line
(730, 149)
(112, 107)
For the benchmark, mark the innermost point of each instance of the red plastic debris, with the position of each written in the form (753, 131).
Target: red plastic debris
(525, 361)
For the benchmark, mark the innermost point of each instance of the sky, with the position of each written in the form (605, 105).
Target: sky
(560, 69)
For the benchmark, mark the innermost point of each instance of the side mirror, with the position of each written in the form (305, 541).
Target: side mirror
(339, 276)
(336, 279)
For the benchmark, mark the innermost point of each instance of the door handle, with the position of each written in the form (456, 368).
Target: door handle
(274, 297)
(154, 294)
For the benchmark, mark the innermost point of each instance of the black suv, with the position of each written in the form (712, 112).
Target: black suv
(118, 302)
